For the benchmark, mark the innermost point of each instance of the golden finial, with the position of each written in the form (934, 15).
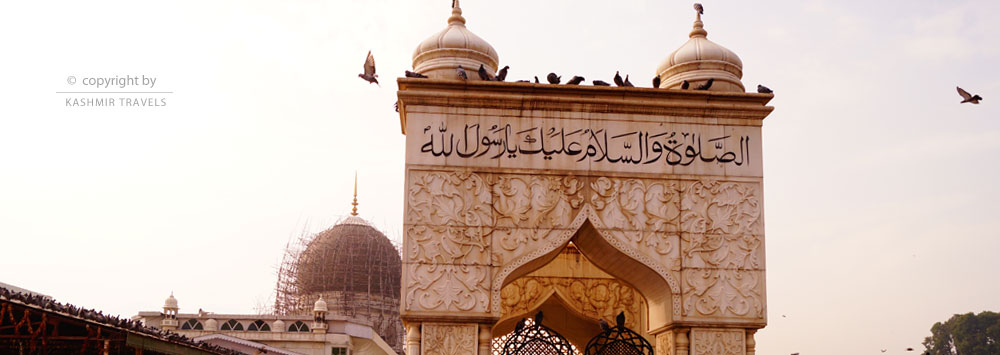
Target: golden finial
(354, 211)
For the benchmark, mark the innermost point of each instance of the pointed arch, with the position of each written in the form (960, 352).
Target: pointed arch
(653, 280)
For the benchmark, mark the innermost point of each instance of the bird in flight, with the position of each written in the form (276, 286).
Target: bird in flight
(369, 74)
(967, 97)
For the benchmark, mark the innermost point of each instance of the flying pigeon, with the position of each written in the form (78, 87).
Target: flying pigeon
(628, 83)
(967, 97)
(502, 74)
(699, 8)
(909, 349)
(604, 325)
(575, 81)
(763, 89)
(656, 82)
(618, 79)
(461, 73)
(410, 74)
(536, 79)
(553, 79)
(706, 85)
(601, 83)
(369, 74)
(483, 74)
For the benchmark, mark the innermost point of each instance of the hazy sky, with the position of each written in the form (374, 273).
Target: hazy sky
(880, 189)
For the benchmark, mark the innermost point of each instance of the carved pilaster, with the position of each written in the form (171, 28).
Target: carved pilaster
(413, 339)
(682, 341)
(485, 337)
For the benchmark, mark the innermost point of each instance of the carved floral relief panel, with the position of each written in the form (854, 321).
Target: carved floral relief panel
(723, 293)
(443, 244)
(706, 341)
(665, 343)
(728, 251)
(447, 287)
(449, 339)
(454, 198)
(592, 297)
(721, 207)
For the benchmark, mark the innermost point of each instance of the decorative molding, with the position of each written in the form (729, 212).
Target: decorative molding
(449, 339)
(705, 341)
(665, 343)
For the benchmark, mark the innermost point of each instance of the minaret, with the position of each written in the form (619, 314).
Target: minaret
(319, 316)
(169, 313)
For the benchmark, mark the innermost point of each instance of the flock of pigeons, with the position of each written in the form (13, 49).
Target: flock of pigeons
(370, 76)
(108, 320)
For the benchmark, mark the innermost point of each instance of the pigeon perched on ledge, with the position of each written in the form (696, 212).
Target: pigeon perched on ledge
(461, 73)
(707, 85)
(601, 83)
(553, 78)
(410, 74)
(764, 89)
(656, 82)
(502, 74)
(575, 81)
(618, 79)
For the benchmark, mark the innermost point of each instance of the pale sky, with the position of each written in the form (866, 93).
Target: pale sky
(880, 188)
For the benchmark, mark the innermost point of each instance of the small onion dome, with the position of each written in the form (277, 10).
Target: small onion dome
(211, 324)
(699, 60)
(278, 326)
(320, 305)
(171, 302)
(440, 55)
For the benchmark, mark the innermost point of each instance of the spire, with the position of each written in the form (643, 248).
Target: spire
(456, 14)
(354, 211)
(699, 27)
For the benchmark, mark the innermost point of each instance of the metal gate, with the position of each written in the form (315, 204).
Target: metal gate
(535, 339)
(618, 340)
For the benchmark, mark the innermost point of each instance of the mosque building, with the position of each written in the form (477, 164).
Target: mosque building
(337, 294)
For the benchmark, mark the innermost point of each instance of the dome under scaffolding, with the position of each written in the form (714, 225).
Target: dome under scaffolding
(354, 268)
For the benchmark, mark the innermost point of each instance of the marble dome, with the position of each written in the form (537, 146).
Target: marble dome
(699, 60)
(440, 55)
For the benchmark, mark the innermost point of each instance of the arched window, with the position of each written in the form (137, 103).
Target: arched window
(298, 326)
(232, 324)
(259, 326)
(192, 324)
